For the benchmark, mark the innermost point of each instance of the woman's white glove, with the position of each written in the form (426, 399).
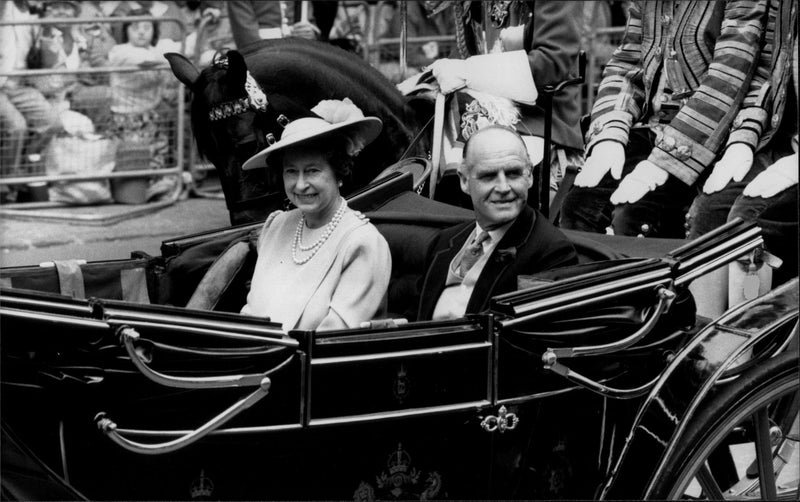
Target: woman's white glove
(734, 165)
(606, 156)
(450, 74)
(774, 179)
(644, 178)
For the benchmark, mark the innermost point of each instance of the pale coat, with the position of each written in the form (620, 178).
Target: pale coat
(343, 285)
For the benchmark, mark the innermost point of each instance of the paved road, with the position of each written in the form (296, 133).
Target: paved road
(32, 241)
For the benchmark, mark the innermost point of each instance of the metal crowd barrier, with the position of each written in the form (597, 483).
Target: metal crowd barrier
(31, 168)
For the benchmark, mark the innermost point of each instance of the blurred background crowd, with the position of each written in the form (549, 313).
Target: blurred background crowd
(106, 100)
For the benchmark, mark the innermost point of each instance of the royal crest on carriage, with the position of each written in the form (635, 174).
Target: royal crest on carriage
(400, 481)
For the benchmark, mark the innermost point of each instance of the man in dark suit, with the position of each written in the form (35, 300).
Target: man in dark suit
(472, 262)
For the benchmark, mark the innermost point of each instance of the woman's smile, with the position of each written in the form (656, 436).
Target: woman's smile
(311, 185)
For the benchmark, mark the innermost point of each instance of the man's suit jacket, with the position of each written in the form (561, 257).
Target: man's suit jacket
(530, 245)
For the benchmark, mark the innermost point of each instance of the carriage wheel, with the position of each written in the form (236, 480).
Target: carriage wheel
(744, 443)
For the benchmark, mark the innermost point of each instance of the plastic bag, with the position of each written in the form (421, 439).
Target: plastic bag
(80, 155)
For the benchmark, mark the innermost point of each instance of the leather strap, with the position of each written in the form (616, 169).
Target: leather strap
(70, 278)
(570, 171)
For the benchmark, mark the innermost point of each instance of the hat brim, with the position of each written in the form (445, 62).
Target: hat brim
(367, 129)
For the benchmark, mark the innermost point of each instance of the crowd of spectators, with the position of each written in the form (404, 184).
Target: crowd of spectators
(138, 107)
(35, 109)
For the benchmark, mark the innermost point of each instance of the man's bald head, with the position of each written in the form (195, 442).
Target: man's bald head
(496, 174)
(491, 133)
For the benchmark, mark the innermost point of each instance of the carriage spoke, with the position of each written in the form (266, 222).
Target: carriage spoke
(710, 487)
(766, 472)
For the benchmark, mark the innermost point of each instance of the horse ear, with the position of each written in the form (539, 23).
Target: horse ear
(237, 69)
(183, 68)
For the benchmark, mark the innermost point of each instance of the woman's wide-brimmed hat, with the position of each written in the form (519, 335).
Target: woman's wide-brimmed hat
(333, 116)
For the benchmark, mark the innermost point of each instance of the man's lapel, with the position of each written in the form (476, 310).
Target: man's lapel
(437, 271)
(503, 256)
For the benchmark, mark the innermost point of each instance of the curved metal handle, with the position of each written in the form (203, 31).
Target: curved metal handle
(599, 388)
(129, 335)
(108, 427)
(551, 356)
(665, 299)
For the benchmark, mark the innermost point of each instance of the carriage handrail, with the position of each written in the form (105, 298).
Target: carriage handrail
(109, 427)
(665, 298)
(526, 305)
(551, 355)
(129, 335)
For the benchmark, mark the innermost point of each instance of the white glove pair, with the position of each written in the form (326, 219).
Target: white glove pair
(610, 156)
(646, 176)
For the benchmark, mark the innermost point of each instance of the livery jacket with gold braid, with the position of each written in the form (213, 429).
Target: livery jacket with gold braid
(765, 104)
(714, 51)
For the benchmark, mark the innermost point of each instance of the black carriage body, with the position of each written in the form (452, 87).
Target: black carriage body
(544, 396)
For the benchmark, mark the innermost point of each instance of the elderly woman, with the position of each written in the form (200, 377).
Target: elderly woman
(322, 265)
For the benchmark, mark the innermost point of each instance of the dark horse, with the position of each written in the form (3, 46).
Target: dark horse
(295, 75)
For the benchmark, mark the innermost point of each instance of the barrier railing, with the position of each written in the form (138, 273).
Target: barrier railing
(119, 157)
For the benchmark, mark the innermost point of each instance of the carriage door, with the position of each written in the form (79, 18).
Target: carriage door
(396, 413)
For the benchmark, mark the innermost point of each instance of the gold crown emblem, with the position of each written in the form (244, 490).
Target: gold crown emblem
(201, 487)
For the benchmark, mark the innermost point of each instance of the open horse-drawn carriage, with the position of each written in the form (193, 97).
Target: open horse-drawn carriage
(592, 381)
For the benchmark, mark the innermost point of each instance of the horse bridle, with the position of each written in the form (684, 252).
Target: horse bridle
(255, 100)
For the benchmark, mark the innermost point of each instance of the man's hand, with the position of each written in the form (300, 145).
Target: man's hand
(734, 164)
(306, 30)
(644, 178)
(450, 74)
(606, 156)
(776, 178)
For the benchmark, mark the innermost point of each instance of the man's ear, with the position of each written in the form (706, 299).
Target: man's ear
(462, 179)
(529, 176)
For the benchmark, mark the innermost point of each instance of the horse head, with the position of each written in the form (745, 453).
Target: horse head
(233, 119)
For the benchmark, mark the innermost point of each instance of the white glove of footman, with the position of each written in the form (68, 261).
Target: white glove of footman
(774, 179)
(451, 74)
(644, 178)
(734, 165)
(606, 156)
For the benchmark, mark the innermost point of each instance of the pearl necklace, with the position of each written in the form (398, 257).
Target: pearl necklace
(314, 248)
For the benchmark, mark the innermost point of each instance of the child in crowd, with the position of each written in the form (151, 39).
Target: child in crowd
(136, 97)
